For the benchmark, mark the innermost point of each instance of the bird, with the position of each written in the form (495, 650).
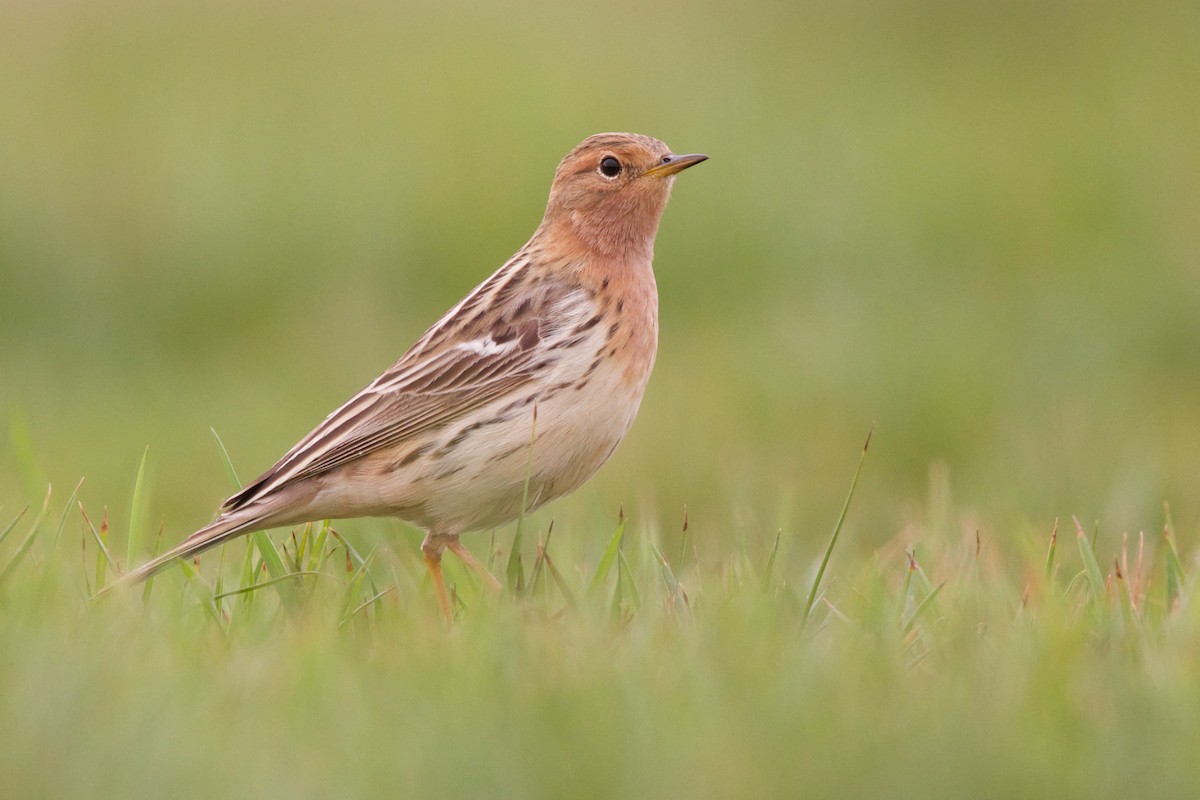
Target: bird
(514, 397)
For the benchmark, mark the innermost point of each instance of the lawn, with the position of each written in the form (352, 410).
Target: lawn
(968, 228)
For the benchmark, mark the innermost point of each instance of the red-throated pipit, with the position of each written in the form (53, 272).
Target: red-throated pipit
(534, 378)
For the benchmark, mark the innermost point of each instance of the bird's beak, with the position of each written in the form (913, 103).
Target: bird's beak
(672, 164)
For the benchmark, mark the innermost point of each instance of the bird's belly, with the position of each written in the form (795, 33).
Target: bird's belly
(479, 480)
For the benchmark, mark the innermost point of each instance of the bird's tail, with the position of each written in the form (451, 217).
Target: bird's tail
(226, 527)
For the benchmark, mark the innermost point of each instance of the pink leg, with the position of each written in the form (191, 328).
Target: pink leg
(473, 563)
(432, 547)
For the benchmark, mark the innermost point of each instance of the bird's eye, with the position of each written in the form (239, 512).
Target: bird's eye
(610, 167)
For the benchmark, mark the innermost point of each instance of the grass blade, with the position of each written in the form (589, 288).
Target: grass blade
(606, 561)
(248, 576)
(675, 591)
(358, 561)
(1051, 551)
(766, 579)
(1176, 577)
(928, 603)
(1091, 566)
(8, 528)
(558, 579)
(275, 567)
(369, 601)
(625, 579)
(515, 571)
(103, 554)
(230, 472)
(1127, 603)
(136, 510)
(205, 595)
(27, 543)
(317, 555)
(62, 520)
(221, 595)
(906, 586)
(148, 585)
(537, 582)
(926, 586)
(837, 530)
(352, 589)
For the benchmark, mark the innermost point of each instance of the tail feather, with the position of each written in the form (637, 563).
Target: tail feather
(209, 536)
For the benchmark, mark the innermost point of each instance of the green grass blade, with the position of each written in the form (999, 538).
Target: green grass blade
(247, 576)
(355, 558)
(667, 573)
(929, 603)
(628, 584)
(269, 554)
(319, 553)
(1176, 577)
(606, 561)
(537, 582)
(766, 579)
(203, 593)
(1049, 572)
(104, 557)
(219, 584)
(297, 556)
(515, 570)
(1079, 579)
(837, 530)
(27, 542)
(136, 511)
(1126, 601)
(353, 586)
(1091, 567)
(906, 585)
(230, 472)
(221, 595)
(926, 586)
(375, 598)
(149, 584)
(9, 527)
(675, 591)
(62, 520)
(563, 587)
(275, 568)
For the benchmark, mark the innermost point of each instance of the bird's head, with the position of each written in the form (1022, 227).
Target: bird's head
(610, 191)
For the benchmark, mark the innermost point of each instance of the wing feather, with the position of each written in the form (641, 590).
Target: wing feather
(399, 405)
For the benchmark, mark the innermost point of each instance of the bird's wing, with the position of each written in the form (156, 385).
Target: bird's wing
(415, 395)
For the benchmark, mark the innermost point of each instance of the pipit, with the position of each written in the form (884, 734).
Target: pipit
(517, 395)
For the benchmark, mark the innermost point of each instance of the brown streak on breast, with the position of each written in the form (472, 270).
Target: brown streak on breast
(629, 280)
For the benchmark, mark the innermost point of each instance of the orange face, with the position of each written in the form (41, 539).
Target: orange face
(613, 187)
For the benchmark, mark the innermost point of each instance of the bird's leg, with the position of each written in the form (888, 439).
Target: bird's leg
(432, 547)
(437, 543)
(473, 564)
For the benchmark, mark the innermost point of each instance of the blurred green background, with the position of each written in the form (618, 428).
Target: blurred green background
(974, 225)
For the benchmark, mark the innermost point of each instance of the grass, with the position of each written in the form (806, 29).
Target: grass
(971, 223)
(951, 663)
